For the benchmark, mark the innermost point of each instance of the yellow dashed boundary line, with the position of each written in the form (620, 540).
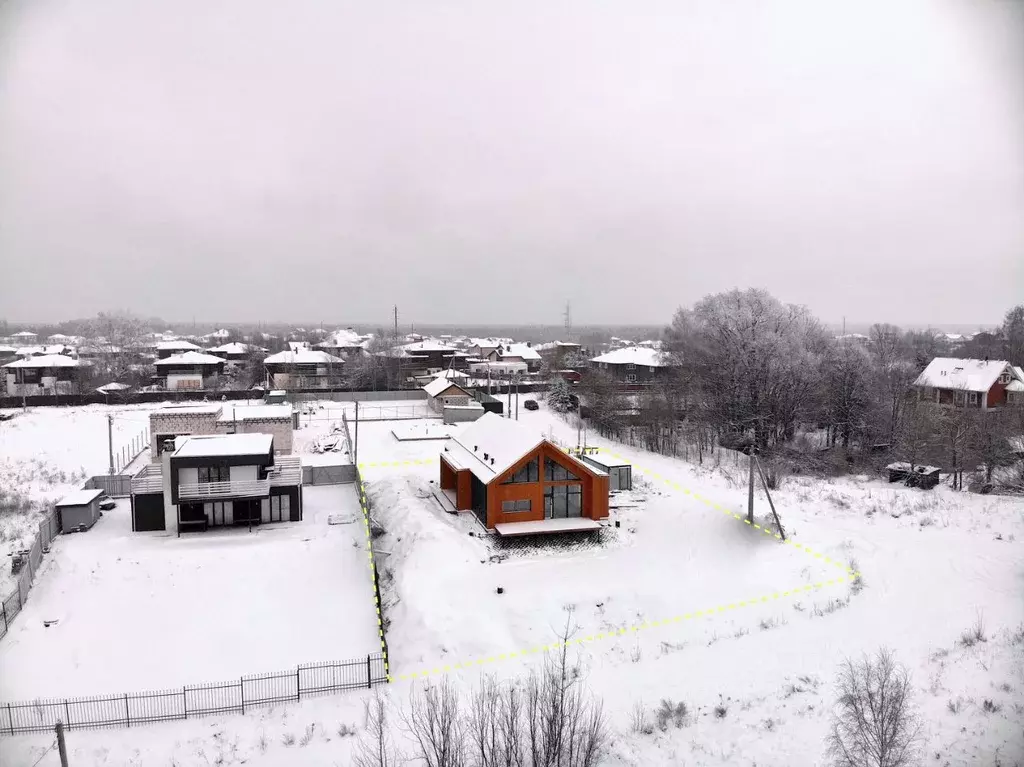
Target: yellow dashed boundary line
(848, 575)
(365, 507)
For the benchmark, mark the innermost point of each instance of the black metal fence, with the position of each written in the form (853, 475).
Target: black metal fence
(49, 528)
(192, 701)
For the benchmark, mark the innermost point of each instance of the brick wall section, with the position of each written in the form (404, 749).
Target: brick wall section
(178, 424)
(280, 428)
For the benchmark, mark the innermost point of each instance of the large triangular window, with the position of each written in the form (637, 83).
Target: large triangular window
(556, 472)
(527, 473)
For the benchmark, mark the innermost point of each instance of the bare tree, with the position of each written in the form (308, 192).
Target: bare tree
(435, 722)
(874, 724)
(376, 747)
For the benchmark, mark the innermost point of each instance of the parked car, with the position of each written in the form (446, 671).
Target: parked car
(531, 404)
(107, 503)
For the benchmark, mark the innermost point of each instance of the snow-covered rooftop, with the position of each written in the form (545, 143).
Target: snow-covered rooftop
(345, 337)
(303, 357)
(235, 347)
(191, 408)
(219, 445)
(24, 334)
(79, 498)
(44, 361)
(634, 355)
(190, 358)
(962, 374)
(426, 346)
(439, 385)
(174, 346)
(521, 350)
(503, 440)
(245, 412)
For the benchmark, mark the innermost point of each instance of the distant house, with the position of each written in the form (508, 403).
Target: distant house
(344, 343)
(213, 481)
(165, 349)
(233, 352)
(633, 364)
(44, 374)
(304, 369)
(442, 392)
(1015, 389)
(969, 383)
(423, 358)
(510, 353)
(481, 347)
(25, 337)
(210, 418)
(556, 353)
(190, 370)
(501, 368)
(40, 351)
(516, 482)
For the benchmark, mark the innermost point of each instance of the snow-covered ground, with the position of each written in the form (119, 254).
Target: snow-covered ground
(931, 562)
(140, 611)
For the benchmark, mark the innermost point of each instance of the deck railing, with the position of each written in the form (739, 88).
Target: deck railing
(149, 480)
(287, 471)
(248, 488)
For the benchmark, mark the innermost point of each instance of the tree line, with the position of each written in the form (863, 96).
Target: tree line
(751, 371)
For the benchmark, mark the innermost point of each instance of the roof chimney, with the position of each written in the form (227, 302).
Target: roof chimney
(475, 448)
(485, 457)
(492, 462)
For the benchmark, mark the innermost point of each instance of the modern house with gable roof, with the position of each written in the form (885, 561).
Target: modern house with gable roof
(304, 369)
(980, 384)
(189, 370)
(43, 374)
(517, 482)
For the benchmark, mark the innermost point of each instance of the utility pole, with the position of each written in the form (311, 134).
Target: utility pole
(750, 487)
(62, 748)
(517, 398)
(110, 441)
(355, 447)
(508, 383)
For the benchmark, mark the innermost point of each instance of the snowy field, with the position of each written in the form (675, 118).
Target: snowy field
(931, 564)
(139, 611)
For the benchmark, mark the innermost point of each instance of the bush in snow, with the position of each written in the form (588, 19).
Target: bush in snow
(676, 713)
(874, 724)
(975, 633)
(638, 721)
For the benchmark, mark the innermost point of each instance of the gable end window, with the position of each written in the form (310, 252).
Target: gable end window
(630, 366)
(556, 472)
(1004, 378)
(631, 378)
(528, 473)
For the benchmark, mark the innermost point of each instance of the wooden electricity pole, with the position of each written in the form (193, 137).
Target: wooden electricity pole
(62, 748)
(750, 487)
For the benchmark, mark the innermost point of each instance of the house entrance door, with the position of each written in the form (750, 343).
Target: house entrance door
(563, 501)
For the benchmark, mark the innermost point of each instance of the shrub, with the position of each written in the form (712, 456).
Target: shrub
(676, 713)
(720, 711)
(638, 721)
(288, 739)
(954, 706)
(990, 706)
(307, 736)
(874, 724)
(975, 633)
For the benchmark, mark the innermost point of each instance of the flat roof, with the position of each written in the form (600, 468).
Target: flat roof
(204, 407)
(547, 526)
(213, 446)
(244, 412)
(79, 498)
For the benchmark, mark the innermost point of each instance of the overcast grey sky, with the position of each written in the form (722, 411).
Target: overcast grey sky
(484, 162)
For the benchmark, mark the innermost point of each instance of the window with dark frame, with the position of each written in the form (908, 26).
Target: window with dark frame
(516, 505)
(220, 473)
(527, 473)
(556, 472)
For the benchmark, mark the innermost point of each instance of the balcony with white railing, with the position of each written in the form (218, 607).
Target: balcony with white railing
(287, 470)
(207, 491)
(149, 480)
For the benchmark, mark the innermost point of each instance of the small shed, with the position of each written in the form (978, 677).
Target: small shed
(620, 475)
(79, 510)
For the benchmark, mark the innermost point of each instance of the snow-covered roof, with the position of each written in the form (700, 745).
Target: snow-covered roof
(112, 386)
(303, 357)
(345, 337)
(45, 361)
(1015, 386)
(246, 412)
(634, 355)
(521, 350)
(192, 408)
(173, 346)
(426, 346)
(962, 374)
(79, 498)
(441, 384)
(213, 446)
(235, 347)
(503, 440)
(24, 334)
(8, 350)
(296, 346)
(26, 351)
(190, 358)
(58, 337)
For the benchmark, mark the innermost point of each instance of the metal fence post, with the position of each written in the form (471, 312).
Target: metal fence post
(127, 713)
(369, 676)
(10, 717)
(241, 686)
(298, 684)
(67, 713)
(184, 701)
(3, 606)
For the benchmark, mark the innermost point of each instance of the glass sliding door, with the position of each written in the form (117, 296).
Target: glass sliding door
(563, 501)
